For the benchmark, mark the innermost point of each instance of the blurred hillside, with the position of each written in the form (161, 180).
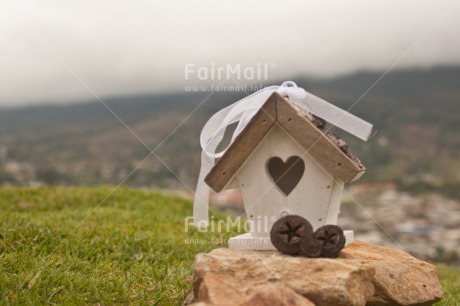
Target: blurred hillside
(415, 113)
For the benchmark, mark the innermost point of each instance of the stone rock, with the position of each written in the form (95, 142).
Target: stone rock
(364, 274)
(200, 304)
(274, 295)
(252, 277)
(226, 292)
(400, 279)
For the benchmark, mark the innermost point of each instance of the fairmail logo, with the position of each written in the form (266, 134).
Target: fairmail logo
(213, 72)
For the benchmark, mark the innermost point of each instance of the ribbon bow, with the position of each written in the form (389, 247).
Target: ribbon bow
(242, 111)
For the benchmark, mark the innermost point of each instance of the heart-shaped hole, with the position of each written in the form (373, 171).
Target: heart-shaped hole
(286, 175)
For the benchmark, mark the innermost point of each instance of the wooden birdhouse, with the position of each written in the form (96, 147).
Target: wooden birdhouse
(284, 162)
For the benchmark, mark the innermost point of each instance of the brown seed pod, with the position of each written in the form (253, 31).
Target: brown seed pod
(288, 232)
(311, 247)
(332, 239)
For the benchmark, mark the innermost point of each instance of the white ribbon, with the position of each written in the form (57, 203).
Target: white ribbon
(242, 111)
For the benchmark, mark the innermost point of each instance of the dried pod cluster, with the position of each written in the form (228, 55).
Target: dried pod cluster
(294, 235)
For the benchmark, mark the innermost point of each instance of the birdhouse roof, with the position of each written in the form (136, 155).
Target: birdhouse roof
(308, 131)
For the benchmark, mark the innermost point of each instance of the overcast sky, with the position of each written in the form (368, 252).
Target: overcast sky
(49, 49)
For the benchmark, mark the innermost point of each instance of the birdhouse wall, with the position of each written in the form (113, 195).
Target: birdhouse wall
(316, 196)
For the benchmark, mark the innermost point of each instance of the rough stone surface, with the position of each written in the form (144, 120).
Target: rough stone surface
(230, 274)
(400, 279)
(227, 292)
(364, 274)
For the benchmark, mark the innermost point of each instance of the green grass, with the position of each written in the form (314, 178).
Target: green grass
(450, 279)
(70, 246)
(61, 246)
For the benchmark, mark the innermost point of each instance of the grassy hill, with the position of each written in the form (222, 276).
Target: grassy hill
(93, 245)
(415, 113)
(78, 246)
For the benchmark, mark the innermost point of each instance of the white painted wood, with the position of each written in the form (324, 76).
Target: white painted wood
(248, 242)
(232, 183)
(349, 237)
(264, 203)
(333, 210)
